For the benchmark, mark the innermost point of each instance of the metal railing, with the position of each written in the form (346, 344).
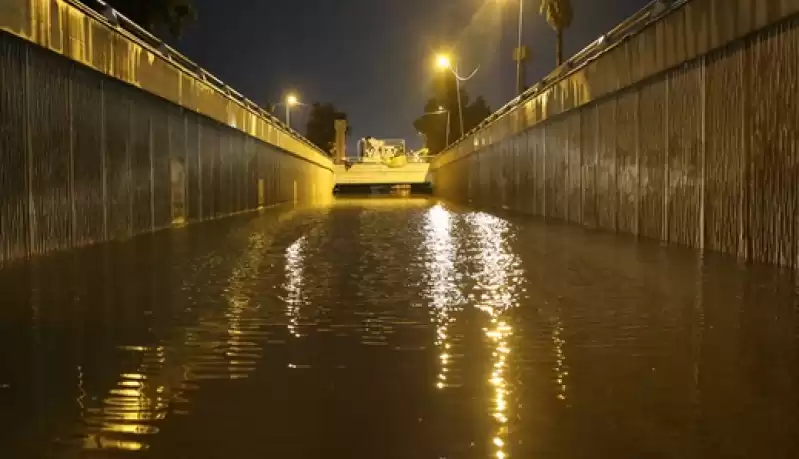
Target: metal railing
(411, 160)
(420, 159)
(652, 12)
(106, 14)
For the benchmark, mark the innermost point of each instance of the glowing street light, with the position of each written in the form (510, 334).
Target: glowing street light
(444, 62)
(291, 100)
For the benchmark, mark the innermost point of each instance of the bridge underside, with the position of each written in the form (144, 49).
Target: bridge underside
(364, 176)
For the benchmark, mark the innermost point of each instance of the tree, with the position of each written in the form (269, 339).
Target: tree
(320, 128)
(155, 15)
(434, 126)
(559, 16)
(433, 123)
(475, 113)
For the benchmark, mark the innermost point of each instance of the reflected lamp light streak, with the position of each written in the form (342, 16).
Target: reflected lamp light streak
(294, 284)
(443, 290)
(561, 371)
(239, 300)
(145, 395)
(499, 280)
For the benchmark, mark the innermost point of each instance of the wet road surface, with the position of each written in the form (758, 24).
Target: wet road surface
(396, 328)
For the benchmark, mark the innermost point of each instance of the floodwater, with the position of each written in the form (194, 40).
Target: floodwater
(396, 328)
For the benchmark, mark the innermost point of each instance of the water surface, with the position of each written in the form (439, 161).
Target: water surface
(396, 328)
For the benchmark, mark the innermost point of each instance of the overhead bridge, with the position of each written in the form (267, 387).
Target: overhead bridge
(358, 176)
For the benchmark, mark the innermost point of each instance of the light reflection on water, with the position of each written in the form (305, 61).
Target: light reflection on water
(499, 284)
(294, 284)
(443, 291)
(213, 348)
(410, 328)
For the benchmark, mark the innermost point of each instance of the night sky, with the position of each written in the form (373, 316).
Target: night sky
(373, 58)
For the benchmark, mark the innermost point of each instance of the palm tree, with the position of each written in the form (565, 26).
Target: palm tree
(559, 16)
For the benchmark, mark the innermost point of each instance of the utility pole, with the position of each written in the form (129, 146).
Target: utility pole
(520, 54)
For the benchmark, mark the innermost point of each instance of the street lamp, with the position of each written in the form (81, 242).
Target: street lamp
(291, 100)
(441, 110)
(444, 62)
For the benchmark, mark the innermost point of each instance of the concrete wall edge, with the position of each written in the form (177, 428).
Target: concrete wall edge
(24, 26)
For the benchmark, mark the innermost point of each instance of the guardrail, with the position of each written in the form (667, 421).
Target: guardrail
(420, 159)
(105, 13)
(630, 26)
(411, 160)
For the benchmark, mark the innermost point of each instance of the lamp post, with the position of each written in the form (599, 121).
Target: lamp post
(444, 62)
(291, 100)
(520, 52)
(441, 110)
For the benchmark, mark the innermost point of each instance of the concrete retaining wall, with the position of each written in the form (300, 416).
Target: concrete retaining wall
(686, 132)
(87, 157)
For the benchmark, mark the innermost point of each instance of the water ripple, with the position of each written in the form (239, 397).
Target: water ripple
(414, 328)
